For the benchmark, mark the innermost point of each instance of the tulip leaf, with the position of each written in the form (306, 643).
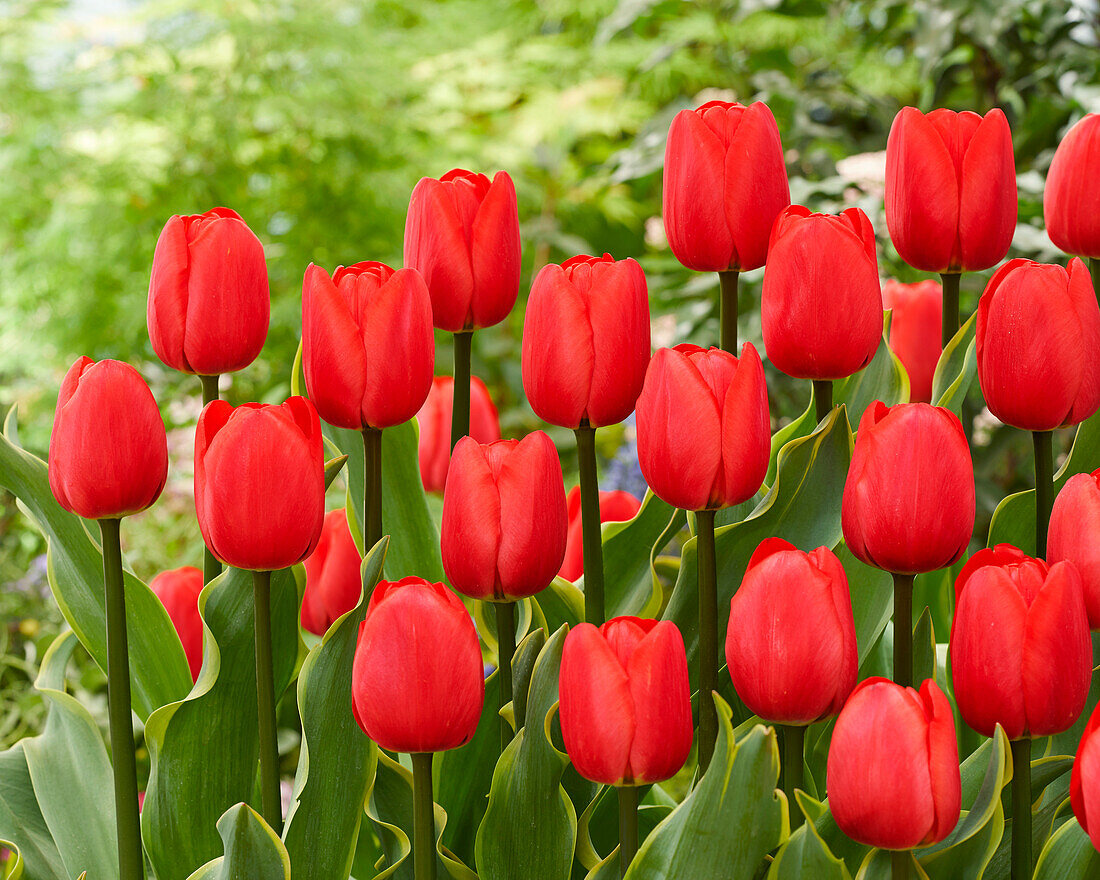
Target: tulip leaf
(204, 750)
(1068, 855)
(333, 467)
(805, 854)
(330, 788)
(883, 379)
(924, 649)
(956, 369)
(878, 865)
(560, 603)
(801, 426)
(22, 826)
(252, 849)
(872, 594)
(158, 667)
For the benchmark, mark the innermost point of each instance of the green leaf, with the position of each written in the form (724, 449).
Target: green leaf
(560, 604)
(878, 866)
(22, 827)
(872, 593)
(252, 850)
(802, 426)
(331, 785)
(1068, 855)
(805, 854)
(883, 379)
(158, 667)
(924, 649)
(957, 367)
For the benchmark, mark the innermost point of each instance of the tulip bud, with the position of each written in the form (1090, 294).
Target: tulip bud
(1074, 525)
(434, 420)
(504, 522)
(821, 305)
(333, 581)
(704, 432)
(791, 641)
(178, 591)
(893, 771)
(209, 304)
(108, 450)
(1038, 333)
(417, 678)
(367, 344)
(950, 189)
(586, 341)
(615, 506)
(1021, 655)
(916, 324)
(260, 482)
(909, 500)
(625, 706)
(462, 235)
(1084, 780)
(1073, 191)
(725, 181)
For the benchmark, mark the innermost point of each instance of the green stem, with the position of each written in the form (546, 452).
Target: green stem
(372, 487)
(900, 860)
(423, 817)
(823, 398)
(1021, 809)
(211, 568)
(506, 647)
(950, 306)
(903, 629)
(728, 309)
(708, 635)
(130, 860)
(460, 408)
(590, 525)
(1044, 487)
(794, 744)
(1094, 271)
(628, 826)
(265, 702)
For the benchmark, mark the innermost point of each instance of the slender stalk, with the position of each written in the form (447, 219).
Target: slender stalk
(794, 745)
(903, 629)
(727, 282)
(628, 826)
(460, 408)
(823, 398)
(265, 702)
(372, 487)
(130, 861)
(1094, 271)
(211, 568)
(1044, 487)
(899, 864)
(708, 635)
(506, 647)
(590, 525)
(423, 817)
(950, 306)
(1021, 809)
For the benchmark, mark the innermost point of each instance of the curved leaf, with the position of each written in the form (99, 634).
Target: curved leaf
(805, 854)
(252, 850)
(1068, 855)
(883, 379)
(956, 369)
(22, 827)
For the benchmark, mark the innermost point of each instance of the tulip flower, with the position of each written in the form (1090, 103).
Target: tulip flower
(178, 591)
(1084, 780)
(615, 506)
(915, 329)
(333, 584)
(1074, 525)
(893, 770)
(434, 420)
(1073, 192)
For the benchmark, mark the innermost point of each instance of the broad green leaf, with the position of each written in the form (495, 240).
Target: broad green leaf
(1048, 810)
(956, 369)
(872, 593)
(883, 379)
(252, 850)
(801, 426)
(805, 854)
(560, 604)
(878, 865)
(1068, 855)
(22, 827)
(158, 668)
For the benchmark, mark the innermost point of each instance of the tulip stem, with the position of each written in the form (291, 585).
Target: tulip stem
(950, 324)
(823, 398)
(1044, 487)
(727, 309)
(899, 864)
(265, 702)
(628, 826)
(372, 487)
(794, 745)
(460, 408)
(903, 629)
(590, 525)
(423, 817)
(130, 860)
(211, 568)
(1021, 809)
(506, 647)
(708, 635)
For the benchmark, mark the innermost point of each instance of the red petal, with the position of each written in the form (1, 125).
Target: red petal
(166, 312)
(333, 356)
(470, 532)
(746, 430)
(495, 253)
(662, 705)
(987, 201)
(436, 246)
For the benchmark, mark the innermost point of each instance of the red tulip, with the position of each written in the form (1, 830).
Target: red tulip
(367, 344)
(1037, 337)
(893, 772)
(1072, 536)
(462, 235)
(725, 182)
(791, 641)
(209, 303)
(1021, 655)
(909, 497)
(504, 523)
(1072, 196)
(260, 482)
(821, 305)
(333, 581)
(1084, 780)
(434, 420)
(417, 682)
(950, 189)
(704, 433)
(625, 706)
(178, 591)
(615, 506)
(586, 341)
(915, 330)
(108, 450)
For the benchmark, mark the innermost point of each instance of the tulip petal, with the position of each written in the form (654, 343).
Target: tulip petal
(166, 312)
(987, 200)
(1073, 190)
(495, 253)
(1084, 786)
(746, 430)
(436, 246)
(1083, 298)
(333, 359)
(1074, 525)
(943, 762)
(470, 533)
(662, 705)
(618, 312)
